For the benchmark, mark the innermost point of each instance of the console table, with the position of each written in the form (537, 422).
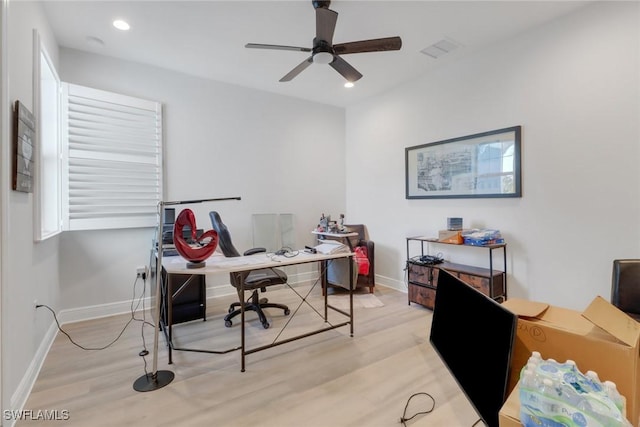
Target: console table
(423, 277)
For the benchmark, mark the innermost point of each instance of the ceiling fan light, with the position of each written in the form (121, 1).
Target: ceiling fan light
(348, 84)
(322, 58)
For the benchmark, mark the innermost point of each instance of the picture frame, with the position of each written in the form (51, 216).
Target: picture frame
(23, 149)
(484, 164)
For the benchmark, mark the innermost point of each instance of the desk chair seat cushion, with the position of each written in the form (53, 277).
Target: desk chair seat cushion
(625, 286)
(265, 277)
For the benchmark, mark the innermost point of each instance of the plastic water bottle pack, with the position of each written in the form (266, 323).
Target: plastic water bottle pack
(554, 394)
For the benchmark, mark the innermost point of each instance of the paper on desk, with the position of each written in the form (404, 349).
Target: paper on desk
(331, 247)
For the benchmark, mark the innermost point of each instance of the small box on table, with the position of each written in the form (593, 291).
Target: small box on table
(450, 236)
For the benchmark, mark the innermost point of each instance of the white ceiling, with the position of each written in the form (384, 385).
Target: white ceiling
(207, 38)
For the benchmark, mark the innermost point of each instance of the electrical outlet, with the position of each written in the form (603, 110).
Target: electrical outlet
(141, 271)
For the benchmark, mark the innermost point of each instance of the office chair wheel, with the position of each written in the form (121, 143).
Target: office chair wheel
(228, 323)
(286, 312)
(266, 325)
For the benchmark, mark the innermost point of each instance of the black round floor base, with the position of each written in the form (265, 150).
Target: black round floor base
(150, 382)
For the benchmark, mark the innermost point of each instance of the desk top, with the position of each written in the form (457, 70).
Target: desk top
(218, 263)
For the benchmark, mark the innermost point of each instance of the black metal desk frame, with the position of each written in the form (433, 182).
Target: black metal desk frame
(304, 259)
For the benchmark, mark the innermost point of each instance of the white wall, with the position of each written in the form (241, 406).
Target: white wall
(574, 86)
(220, 141)
(32, 267)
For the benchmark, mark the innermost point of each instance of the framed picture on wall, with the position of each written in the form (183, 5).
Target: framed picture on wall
(23, 149)
(481, 165)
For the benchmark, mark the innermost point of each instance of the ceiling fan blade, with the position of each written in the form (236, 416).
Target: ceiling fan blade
(325, 24)
(373, 45)
(276, 47)
(297, 70)
(343, 67)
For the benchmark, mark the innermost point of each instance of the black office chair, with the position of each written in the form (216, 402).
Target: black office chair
(625, 286)
(254, 280)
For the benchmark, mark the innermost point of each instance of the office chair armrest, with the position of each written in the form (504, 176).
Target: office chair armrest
(255, 251)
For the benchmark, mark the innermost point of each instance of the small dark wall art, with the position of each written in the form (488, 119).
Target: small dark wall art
(23, 149)
(481, 165)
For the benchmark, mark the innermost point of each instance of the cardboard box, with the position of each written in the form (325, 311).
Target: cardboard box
(450, 236)
(602, 338)
(509, 415)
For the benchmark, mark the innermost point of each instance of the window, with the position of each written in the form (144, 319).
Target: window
(113, 159)
(48, 175)
(98, 155)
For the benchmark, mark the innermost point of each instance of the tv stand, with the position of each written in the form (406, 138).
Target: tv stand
(423, 277)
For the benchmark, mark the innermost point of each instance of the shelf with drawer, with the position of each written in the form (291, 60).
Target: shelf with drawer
(489, 282)
(423, 281)
(422, 278)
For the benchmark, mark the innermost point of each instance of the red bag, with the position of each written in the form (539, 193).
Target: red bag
(362, 259)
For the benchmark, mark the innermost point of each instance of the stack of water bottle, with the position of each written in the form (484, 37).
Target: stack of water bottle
(558, 394)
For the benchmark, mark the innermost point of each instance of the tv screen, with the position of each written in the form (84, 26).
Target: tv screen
(474, 335)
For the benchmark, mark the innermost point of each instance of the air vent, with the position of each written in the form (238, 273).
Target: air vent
(440, 48)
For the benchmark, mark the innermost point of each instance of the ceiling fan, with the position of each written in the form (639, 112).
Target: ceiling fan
(325, 52)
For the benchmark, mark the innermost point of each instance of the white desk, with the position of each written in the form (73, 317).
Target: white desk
(217, 264)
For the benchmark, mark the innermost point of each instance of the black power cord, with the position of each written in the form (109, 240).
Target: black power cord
(134, 308)
(404, 419)
(285, 251)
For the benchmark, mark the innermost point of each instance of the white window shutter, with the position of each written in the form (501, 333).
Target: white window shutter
(113, 159)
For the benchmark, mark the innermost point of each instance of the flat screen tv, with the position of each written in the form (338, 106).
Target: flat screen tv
(474, 336)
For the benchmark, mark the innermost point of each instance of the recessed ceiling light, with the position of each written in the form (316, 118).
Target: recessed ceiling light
(348, 84)
(121, 25)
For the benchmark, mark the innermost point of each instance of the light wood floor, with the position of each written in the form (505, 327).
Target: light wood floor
(330, 379)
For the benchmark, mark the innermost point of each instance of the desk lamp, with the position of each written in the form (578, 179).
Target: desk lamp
(158, 379)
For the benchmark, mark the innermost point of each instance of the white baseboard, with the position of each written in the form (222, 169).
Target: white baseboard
(388, 282)
(96, 311)
(19, 398)
(123, 307)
